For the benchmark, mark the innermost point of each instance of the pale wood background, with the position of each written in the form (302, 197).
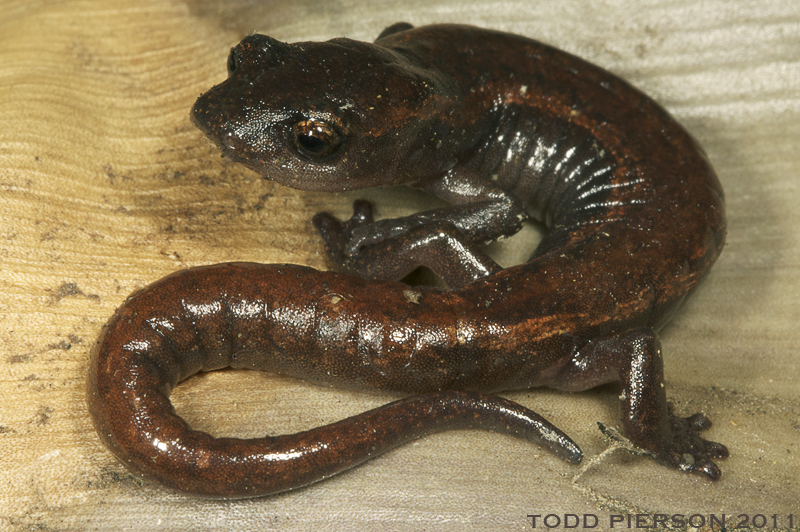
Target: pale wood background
(105, 186)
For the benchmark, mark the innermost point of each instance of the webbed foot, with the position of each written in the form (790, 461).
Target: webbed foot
(687, 450)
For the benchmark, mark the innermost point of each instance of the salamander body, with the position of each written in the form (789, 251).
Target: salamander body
(503, 128)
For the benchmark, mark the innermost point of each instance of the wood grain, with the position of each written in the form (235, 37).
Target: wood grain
(105, 186)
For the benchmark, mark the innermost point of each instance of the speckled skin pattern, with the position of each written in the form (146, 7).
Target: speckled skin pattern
(503, 128)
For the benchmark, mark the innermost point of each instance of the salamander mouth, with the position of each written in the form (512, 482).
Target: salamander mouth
(208, 115)
(214, 139)
(214, 114)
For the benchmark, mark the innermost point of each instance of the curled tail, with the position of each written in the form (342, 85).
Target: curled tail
(219, 316)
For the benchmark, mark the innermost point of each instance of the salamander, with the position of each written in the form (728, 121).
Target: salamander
(505, 130)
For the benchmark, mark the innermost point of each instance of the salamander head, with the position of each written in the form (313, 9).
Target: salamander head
(336, 115)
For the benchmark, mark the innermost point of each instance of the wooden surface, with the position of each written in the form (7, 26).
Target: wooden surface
(105, 186)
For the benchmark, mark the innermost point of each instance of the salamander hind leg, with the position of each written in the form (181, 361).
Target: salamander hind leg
(634, 359)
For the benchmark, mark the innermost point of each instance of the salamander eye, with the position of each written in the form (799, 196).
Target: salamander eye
(316, 139)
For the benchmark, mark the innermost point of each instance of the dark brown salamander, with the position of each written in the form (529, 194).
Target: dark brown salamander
(503, 128)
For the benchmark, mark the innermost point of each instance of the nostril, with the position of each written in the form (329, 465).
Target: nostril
(233, 62)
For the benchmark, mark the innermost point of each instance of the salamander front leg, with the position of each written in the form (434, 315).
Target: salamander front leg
(439, 246)
(634, 358)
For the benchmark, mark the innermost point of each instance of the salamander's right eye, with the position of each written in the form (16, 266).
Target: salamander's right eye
(316, 138)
